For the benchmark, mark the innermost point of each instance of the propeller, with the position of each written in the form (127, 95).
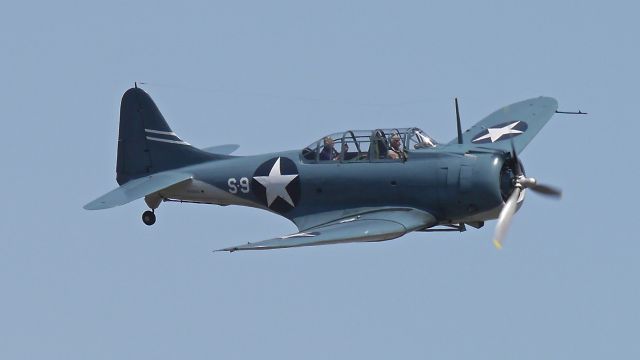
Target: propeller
(504, 220)
(521, 182)
(546, 190)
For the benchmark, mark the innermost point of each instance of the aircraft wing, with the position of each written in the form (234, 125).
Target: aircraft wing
(521, 122)
(138, 188)
(377, 225)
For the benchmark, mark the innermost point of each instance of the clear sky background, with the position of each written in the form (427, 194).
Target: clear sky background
(277, 75)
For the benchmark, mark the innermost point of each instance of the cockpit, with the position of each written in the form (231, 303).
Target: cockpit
(368, 145)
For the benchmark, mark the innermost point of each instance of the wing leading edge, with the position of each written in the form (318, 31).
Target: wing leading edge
(377, 225)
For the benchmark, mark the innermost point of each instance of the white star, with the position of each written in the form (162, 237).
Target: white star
(276, 184)
(496, 134)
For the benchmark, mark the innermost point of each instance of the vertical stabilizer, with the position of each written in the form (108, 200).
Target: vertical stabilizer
(146, 143)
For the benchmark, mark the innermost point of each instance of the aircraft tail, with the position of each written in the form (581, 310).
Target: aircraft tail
(146, 143)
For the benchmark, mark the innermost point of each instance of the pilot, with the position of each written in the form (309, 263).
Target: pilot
(396, 152)
(328, 151)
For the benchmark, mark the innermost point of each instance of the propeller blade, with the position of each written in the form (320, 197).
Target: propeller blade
(504, 220)
(547, 190)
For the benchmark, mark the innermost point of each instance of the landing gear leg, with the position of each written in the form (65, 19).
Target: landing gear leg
(148, 217)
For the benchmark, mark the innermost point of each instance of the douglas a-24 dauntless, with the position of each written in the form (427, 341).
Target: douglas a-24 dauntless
(352, 186)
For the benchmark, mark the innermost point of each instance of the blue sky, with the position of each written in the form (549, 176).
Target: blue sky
(278, 75)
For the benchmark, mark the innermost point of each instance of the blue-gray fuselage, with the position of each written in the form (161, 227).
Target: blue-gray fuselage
(445, 181)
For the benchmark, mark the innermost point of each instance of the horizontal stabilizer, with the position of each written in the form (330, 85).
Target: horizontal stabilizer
(136, 189)
(222, 149)
(379, 225)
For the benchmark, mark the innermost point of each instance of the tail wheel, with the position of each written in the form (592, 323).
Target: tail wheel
(148, 217)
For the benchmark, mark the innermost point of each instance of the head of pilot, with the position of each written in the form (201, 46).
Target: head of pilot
(396, 141)
(328, 141)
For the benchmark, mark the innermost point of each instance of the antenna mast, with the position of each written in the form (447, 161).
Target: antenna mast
(458, 122)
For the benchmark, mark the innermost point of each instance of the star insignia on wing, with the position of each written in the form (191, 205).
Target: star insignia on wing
(275, 184)
(494, 134)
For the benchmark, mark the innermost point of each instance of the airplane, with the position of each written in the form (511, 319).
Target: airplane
(350, 186)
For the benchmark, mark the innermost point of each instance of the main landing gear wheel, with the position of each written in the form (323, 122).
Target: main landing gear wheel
(148, 217)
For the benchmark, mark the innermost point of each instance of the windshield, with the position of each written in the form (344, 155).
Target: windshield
(418, 139)
(368, 145)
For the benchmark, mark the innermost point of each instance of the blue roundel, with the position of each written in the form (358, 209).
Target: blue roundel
(499, 132)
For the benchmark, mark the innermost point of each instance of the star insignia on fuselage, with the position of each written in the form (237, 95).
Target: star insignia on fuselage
(276, 183)
(507, 130)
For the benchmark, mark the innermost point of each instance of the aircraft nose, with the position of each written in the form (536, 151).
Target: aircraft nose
(490, 179)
